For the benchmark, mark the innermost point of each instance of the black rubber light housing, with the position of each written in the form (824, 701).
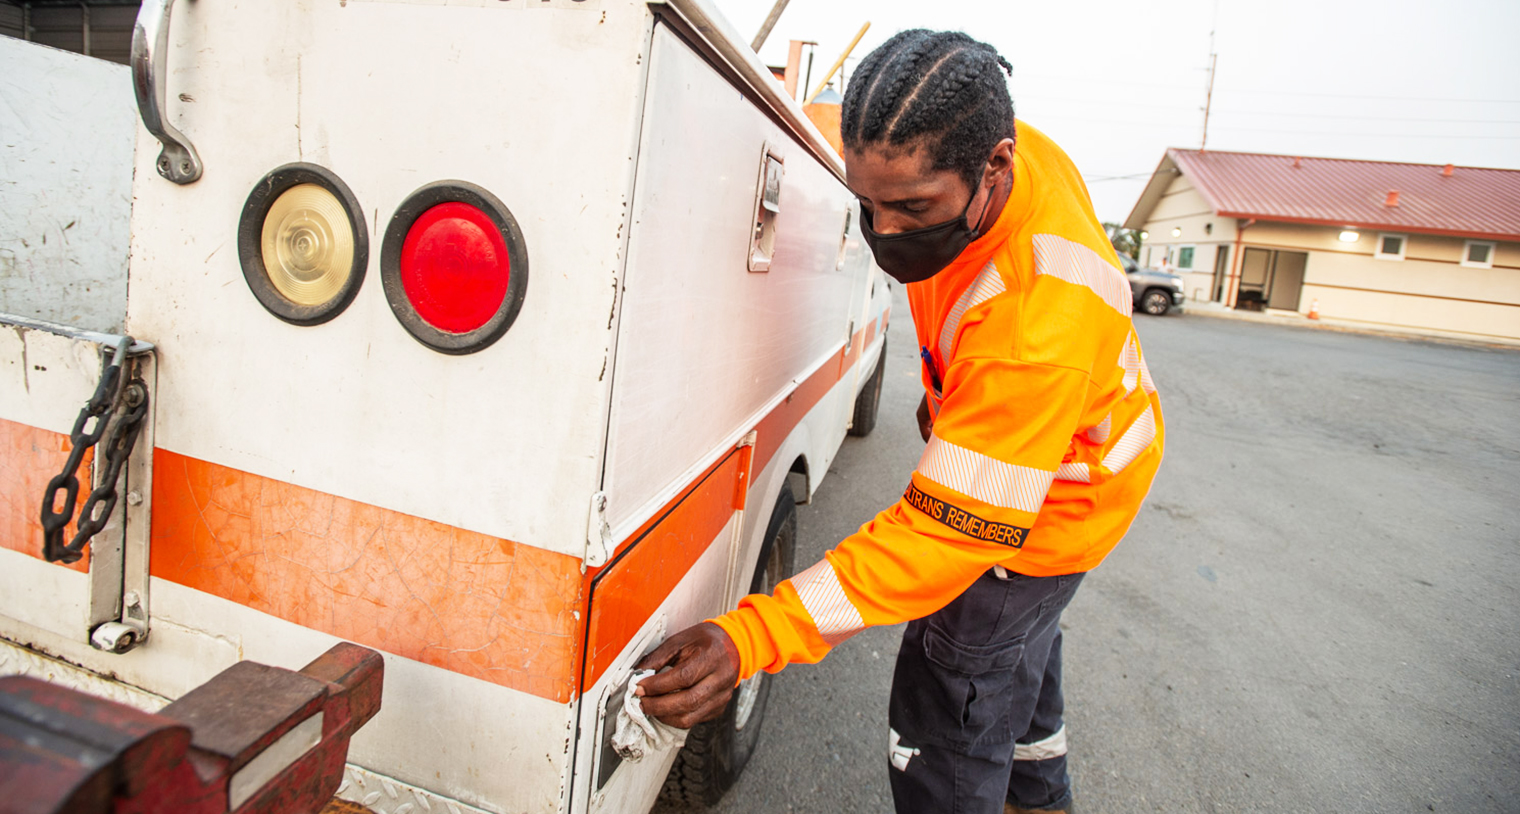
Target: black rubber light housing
(302, 244)
(454, 266)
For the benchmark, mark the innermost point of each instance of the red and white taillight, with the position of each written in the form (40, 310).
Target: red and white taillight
(453, 261)
(454, 266)
(300, 244)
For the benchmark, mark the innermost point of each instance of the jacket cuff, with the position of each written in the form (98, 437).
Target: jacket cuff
(734, 624)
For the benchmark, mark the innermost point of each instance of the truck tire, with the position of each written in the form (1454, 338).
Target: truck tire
(869, 398)
(717, 751)
(1156, 302)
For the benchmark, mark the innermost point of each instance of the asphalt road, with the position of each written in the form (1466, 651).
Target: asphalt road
(1317, 610)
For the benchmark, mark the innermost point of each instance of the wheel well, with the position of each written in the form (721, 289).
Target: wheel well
(1149, 289)
(800, 480)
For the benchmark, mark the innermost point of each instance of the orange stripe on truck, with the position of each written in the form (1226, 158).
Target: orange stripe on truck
(778, 424)
(487, 607)
(471, 603)
(629, 590)
(29, 458)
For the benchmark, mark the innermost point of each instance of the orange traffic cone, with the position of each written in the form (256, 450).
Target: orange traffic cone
(1314, 309)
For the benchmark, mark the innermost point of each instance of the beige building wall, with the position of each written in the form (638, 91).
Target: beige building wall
(1428, 289)
(1183, 208)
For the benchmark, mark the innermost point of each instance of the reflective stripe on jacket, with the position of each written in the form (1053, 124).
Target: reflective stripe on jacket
(1047, 429)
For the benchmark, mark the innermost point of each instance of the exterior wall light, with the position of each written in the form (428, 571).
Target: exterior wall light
(1145, 235)
(1177, 231)
(1350, 236)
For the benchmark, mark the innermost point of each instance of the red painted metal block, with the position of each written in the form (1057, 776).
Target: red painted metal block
(252, 740)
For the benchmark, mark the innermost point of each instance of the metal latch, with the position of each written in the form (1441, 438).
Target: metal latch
(116, 420)
(767, 209)
(606, 757)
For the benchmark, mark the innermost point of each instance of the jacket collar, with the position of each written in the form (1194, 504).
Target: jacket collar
(1015, 212)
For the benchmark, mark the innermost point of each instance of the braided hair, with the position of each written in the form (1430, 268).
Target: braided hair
(941, 89)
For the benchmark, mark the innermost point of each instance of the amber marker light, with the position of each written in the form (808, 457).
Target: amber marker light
(308, 247)
(302, 255)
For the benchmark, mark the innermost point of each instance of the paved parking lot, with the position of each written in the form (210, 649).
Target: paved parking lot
(1317, 610)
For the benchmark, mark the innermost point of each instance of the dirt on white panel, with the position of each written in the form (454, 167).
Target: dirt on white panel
(67, 131)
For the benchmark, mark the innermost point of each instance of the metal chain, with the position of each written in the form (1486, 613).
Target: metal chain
(117, 412)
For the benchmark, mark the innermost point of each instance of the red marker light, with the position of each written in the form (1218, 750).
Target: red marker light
(455, 268)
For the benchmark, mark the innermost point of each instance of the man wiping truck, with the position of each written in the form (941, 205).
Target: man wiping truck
(1044, 433)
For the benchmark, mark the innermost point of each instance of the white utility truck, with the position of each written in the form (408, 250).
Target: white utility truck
(499, 336)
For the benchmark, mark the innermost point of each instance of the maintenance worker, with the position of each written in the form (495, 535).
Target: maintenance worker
(1043, 427)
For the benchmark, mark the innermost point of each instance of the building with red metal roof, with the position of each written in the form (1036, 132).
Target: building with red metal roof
(1415, 245)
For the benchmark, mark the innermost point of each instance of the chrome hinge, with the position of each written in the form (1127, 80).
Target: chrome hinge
(598, 534)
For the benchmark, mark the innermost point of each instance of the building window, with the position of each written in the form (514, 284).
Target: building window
(1391, 247)
(1185, 257)
(1478, 254)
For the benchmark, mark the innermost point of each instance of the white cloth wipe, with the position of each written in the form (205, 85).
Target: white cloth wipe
(637, 734)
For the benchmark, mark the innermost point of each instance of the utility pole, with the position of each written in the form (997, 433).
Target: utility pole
(1208, 99)
(1208, 102)
(770, 22)
(807, 81)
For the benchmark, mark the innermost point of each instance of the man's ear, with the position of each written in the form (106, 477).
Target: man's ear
(999, 162)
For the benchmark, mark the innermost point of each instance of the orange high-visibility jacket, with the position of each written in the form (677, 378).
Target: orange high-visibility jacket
(1047, 429)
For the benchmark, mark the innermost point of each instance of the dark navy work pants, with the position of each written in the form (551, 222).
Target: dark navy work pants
(976, 701)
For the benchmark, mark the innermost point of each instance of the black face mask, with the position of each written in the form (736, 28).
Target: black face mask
(917, 255)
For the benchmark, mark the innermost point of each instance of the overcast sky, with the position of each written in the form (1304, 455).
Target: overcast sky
(1116, 83)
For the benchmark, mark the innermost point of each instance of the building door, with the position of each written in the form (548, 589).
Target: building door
(1287, 279)
(1221, 272)
(1255, 270)
(1270, 279)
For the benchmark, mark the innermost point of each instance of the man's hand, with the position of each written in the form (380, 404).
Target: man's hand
(704, 667)
(925, 420)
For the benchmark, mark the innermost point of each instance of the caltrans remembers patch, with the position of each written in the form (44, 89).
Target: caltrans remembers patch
(965, 522)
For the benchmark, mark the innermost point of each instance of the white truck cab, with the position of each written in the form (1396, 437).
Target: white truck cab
(499, 336)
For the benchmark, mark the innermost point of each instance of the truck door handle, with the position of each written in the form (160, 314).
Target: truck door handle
(178, 161)
(844, 238)
(767, 209)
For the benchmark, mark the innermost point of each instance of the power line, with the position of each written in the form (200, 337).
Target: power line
(1454, 136)
(1370, 96)
(1226, 90)
(1184, 125)
(1366, 118)
(1099, 80)
(1098, 179)
(1240, 112)
(1104, 102)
